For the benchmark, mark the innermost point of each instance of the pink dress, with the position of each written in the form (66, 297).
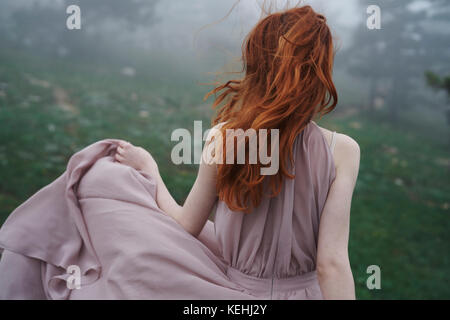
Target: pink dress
(102, 217)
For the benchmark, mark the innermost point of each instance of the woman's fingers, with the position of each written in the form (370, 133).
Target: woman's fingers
(120, 151)
(124, 144)
(119, 158)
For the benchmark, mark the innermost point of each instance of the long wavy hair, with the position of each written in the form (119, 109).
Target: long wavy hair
(287, 66)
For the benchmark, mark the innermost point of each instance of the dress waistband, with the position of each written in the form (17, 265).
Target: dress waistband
(257, 285)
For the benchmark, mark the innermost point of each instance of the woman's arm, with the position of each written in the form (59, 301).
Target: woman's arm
(199, 203)
(333, 266)
(193, 215)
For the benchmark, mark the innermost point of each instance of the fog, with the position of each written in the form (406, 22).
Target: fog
(136, 70)
(200, 29)
(382, 68)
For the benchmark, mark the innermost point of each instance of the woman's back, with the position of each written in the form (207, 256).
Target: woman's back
(111, 206)
(279, 238)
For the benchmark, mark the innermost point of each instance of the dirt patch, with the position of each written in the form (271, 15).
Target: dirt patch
(62, 100)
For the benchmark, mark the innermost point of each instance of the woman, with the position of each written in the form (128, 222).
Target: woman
(282, 236)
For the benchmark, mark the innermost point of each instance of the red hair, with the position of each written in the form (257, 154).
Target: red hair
(288, 62)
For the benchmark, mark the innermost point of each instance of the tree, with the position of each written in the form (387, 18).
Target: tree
(438, 83)
(394, 57)
(41, 26)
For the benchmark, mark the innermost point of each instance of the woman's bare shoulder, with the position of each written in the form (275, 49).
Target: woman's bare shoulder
(346, 150)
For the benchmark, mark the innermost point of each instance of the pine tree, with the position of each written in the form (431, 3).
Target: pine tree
(394, 57)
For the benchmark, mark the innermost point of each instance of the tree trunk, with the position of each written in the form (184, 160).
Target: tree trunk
(372, 93)
(394, 100)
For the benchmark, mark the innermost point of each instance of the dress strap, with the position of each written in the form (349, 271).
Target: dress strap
(333, 141)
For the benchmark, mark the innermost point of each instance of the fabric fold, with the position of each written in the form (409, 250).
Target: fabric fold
(102, 217)
(49, 226)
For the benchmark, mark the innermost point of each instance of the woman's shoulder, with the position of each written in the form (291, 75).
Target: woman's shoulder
(346, 150)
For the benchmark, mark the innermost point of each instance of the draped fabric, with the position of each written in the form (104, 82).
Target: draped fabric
(102, 217)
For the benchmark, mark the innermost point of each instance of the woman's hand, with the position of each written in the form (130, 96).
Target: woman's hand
(136, 157)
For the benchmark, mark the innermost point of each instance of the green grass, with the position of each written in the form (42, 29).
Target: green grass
(400, 215)
(37, 137)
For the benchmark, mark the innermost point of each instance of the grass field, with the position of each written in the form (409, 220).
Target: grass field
(400, 213)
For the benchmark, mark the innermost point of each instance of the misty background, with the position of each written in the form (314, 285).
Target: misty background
(139, 69)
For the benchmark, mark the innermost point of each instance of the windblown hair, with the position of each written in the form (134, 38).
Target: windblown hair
(287, 66)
